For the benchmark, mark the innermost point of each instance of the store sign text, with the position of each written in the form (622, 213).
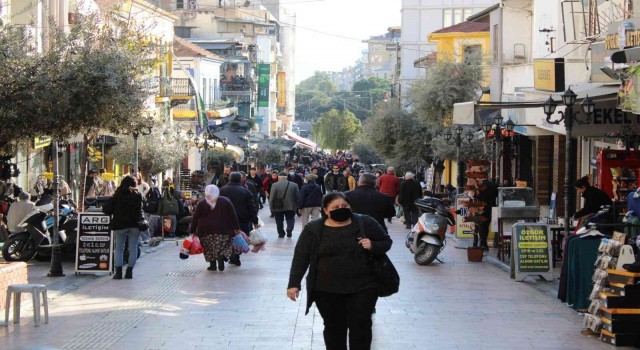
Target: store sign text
(602, 116)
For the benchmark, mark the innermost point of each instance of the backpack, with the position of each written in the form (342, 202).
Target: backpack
(168, 204)
(152, 201)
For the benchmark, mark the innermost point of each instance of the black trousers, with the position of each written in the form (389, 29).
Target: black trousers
(290, 216)
(483, 232)
(411, 215)
(342, 312)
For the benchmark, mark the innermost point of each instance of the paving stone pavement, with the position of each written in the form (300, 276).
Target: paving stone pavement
(178, 304)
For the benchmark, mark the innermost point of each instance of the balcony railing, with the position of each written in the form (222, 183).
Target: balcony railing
(181, 87)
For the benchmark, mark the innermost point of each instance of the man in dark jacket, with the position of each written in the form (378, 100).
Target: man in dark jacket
(365, 199)
(320, 181)
(253, 176)
(410, 190)
(244, 203)
(488, 194)
(295, 177)
(252, 187)
(310, 200)
(224, 179)
(335, 181)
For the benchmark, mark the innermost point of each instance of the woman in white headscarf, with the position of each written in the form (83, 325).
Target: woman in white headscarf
(215, 223)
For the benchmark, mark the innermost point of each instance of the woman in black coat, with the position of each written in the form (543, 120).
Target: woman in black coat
(125, 208)
(340, 280)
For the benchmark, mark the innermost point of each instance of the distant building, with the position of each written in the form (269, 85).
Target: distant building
(383, 55)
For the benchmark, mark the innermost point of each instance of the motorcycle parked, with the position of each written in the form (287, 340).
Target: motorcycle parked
(428, 237)
(37, 238)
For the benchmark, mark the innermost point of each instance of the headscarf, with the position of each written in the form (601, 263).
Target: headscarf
(212, 191)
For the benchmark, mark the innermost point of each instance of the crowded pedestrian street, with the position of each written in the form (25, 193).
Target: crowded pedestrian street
(178, 304)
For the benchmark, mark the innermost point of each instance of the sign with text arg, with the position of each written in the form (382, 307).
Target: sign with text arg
(531, 244)
(94, 247)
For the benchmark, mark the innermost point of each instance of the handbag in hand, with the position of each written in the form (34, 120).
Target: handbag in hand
(385, 273)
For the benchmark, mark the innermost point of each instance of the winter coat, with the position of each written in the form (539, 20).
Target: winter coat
(243, 201)
(125, 209)
(410, 190)
(290, 198)
(388, 184)
(367, 200)
(335, 182)
(305, 256)
(310, 196)
(594, 198)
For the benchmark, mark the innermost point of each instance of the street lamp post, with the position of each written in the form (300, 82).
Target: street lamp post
(458, 142)
(143, 128)
(55, 269)
(498, 131)
(568, 117)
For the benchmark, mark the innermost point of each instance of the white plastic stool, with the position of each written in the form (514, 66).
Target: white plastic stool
(35, 290)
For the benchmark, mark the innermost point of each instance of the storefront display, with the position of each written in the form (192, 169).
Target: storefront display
(617, 172)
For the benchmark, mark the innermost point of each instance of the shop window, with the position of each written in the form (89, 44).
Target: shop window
(179, 4)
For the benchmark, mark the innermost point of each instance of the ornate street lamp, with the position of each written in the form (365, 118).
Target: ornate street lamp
(568, 117)
(458, 143)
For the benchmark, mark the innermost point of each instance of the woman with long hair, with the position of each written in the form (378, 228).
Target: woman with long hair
(125, 208)
(340, 280)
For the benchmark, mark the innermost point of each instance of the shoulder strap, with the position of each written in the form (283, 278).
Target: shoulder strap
(285, 190)
(360, 220)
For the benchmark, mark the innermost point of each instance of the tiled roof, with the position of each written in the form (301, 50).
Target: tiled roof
(183, 48)
(465, 27)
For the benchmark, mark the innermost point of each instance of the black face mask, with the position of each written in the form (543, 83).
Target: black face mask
(340, 214)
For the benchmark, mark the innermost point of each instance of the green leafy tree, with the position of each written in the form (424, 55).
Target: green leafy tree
(320, 81)
(217, 159)
(272, 155)
(336, 130)
(313, 96)
(157, 152)
(447, 82)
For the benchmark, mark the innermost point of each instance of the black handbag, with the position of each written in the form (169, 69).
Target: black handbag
(143, 225)
(386, 275)
(278, 203)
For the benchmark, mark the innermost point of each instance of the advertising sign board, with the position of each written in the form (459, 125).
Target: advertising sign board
(94, 246)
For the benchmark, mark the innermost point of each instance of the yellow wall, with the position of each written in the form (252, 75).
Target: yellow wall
(451, 46)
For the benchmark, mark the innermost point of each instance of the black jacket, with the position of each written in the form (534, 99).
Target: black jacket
(305, 255)
(125, 209)
(410, 190)
(335, 182)
(367, 200)
(310, 196)
(243, 201)
(594, 198)
(257, 181)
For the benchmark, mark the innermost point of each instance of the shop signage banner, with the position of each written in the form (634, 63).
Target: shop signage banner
(264, 72)
(41, 142)
(94, 246)
(548, 74)
(607, 119)
(463, 229)
(282, 90)
(531, 244)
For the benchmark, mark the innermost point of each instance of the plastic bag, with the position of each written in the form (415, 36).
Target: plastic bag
(260, 223)
(192, 244)
(399, 211)
(239, 244)
(256, 237)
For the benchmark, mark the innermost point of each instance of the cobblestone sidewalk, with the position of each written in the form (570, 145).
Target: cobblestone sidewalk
(178, 304)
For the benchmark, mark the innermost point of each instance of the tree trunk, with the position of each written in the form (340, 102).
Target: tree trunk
(83, 170)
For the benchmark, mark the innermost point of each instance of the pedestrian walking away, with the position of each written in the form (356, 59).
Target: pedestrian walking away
(215, 222)
(283, 201)
(125, 209)
(410, 190)
(244, 204)
(340, 280)
(365, 199)
(310, 200)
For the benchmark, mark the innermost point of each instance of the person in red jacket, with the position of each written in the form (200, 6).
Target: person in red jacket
(389, 184)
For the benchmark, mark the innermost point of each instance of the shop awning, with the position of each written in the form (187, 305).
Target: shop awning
(221, 113)
(301, 140)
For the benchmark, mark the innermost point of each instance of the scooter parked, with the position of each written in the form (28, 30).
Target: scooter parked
(37, 237)
(428, 237)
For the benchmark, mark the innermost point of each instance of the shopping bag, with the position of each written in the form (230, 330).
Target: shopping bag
(192, 244)
(239, 244)
(399, 211)
(260, 222)
(166, 224)
(257, 237)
